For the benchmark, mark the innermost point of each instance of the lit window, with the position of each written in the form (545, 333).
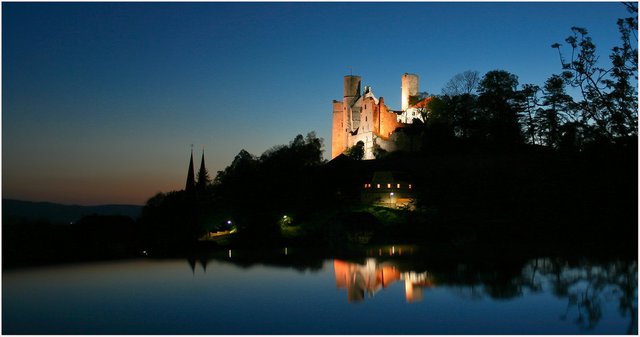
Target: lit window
(377, 185)
(365, 185)
(388, 185)
(409, 186)
(398, 186)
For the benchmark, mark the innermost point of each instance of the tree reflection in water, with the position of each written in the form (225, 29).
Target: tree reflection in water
(585, 285)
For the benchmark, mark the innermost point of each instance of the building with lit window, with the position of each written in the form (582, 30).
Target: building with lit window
(390, 189)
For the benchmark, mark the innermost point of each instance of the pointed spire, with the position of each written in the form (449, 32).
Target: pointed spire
(202, 168)
(203, 176)
(191, 181)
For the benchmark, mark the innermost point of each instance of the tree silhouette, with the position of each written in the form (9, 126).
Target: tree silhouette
(496, 101)
(463, 83)
(355, 152)
(557, 111)
(529, 103)
(609, 100)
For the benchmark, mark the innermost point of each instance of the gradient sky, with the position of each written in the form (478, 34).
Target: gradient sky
(101, 101)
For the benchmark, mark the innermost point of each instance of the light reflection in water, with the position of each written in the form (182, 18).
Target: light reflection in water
(291, 293)
(372, 277)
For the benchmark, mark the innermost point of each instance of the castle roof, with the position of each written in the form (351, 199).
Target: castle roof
(423, 103)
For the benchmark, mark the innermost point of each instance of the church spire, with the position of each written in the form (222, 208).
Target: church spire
(202, 168)
(203, 175)
(191, 181)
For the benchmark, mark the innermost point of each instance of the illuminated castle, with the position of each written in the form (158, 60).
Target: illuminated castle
(360, 116)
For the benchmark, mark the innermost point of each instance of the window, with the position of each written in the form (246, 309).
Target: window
(388, 185)
(377, 185)
(365, 185)
(398, 186)
(409, 186)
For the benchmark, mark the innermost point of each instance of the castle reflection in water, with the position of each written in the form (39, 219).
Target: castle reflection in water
(371, 277)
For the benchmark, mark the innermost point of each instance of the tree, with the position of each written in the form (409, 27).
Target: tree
(609, 100)
(496, 101)
(528, 100)
(556, 112)
(463, 113)
(355, 152)
(463, 83)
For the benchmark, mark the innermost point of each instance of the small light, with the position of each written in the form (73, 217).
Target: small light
(228, 222)
(284, 217)
(391, 194)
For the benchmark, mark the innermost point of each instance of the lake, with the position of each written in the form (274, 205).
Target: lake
(387, 290)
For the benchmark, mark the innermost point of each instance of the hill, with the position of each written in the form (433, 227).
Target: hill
(17, 211)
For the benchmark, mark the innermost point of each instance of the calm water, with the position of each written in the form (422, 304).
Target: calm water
(387, 292)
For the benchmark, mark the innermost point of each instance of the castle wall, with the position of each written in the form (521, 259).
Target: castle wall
(338, 134)
(388, 120)
(367, 139)
(409, 115)
(368, 108)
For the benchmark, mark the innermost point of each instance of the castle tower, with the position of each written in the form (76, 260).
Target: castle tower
(409, 88)
(338, 132)
(342, 115)
(191, 178)
(351, 95)
(352, 86)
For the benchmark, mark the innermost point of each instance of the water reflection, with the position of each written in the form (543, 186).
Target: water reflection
(586, 286)
(293, 291)
(371, 277)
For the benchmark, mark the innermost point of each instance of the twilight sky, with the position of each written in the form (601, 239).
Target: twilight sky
(101, 101)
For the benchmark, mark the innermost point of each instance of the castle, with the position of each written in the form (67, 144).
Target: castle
(361, 117)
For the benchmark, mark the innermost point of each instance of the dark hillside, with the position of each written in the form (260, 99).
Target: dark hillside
(17, 211)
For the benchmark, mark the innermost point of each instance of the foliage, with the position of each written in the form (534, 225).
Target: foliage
(379, 152)
(497, 107)
(609, 98)
(258, 191)
(556, 114)
(355, 152)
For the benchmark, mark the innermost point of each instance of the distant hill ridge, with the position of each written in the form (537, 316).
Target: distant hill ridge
(16, 211)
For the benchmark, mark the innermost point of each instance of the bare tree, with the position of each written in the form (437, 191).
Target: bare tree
(463, 83)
